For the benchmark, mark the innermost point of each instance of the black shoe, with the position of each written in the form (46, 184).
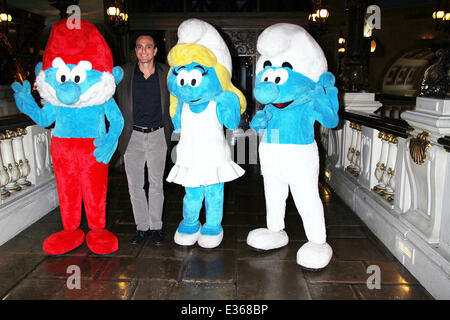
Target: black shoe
(140, 237)
(157, 237)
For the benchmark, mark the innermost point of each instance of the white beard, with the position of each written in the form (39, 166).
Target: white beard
(98, 94)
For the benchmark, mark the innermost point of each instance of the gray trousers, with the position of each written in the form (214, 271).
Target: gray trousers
(150, 148)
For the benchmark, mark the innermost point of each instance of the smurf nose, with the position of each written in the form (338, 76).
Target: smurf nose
(266, 92)
(68, 93)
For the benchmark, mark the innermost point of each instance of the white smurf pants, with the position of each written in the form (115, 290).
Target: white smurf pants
(296, 167)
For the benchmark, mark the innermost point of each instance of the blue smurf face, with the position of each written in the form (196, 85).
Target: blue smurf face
(71, 81)
(282, 87)
(194, 83)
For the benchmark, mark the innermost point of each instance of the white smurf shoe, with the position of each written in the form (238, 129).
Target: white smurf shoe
(184, 239)
(314, 256)
(209, 242)
(265, 239)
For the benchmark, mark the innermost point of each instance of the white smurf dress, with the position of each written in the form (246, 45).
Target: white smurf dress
(203, 154)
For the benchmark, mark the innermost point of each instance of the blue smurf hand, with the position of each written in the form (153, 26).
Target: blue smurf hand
(228, 109)
(106, 146)
(260, 120)
(327, 81)
(324, 101)
(24, 100)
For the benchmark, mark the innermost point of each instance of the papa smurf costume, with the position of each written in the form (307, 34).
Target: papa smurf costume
(293, 84)
(203, 100)
(76, 80)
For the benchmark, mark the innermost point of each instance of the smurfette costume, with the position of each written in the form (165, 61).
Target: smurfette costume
(206, 101)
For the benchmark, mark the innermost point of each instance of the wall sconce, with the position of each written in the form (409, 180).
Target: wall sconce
(117, 15)
(373, 46)
(320, 15)
(5, 17)
(341, 44)
(439, 15)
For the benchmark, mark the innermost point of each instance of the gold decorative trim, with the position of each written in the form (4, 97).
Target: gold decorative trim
(418, 147)
(389, 137)
(354, 125)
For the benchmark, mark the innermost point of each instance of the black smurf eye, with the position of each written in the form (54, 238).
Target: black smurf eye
(267, 63)
(63, 78)
(77, 79)
(287, 65)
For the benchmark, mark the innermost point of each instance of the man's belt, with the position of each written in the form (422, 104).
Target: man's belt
(145, 129)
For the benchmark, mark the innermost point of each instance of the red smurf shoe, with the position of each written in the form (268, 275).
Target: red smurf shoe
(63, 241)
(101, 241)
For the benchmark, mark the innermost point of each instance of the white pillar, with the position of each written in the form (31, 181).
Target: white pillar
(9, 162)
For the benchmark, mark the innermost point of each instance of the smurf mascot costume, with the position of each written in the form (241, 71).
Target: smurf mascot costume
(76, 82)
(296, 90)
(203, 100)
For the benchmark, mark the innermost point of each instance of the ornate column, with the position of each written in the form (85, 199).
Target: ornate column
(4, 177)
(9, 162)
(19, 156)
(427, 169)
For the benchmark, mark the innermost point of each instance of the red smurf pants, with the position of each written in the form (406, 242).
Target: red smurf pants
(80, 179)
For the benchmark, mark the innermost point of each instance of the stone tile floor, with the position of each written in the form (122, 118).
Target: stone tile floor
(231, 271)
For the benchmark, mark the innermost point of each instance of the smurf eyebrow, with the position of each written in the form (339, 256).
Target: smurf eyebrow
(176, 72)
(86, 65)
(200, 67)
(58, 62)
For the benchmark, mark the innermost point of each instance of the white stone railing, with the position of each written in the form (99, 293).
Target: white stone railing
(398, 183)
(27, 184)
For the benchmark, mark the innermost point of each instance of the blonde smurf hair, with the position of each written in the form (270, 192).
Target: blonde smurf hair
(186, 53)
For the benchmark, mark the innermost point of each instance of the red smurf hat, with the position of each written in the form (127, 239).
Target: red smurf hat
(75, 45)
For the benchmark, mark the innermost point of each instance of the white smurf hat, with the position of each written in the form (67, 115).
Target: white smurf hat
(201, 32)
(285, 42)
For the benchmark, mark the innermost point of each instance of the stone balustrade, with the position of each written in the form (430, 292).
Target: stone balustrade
(27, 183)
(395, 174)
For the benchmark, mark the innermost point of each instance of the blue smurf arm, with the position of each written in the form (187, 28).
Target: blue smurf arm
(325, 102)
(176, 120)
(228, 109)
(25, 102)
(107, 144)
